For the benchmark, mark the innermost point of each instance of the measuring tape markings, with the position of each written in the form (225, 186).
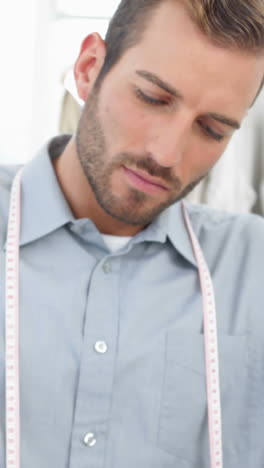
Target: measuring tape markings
(12, 330)
(211, 352)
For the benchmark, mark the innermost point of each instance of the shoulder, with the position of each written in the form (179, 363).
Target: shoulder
(228, 235)
(233, 246)
(206, 220)
(7, 174)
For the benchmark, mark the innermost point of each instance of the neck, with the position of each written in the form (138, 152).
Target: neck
(80, 196)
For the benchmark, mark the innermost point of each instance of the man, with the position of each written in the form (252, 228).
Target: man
(112, 364)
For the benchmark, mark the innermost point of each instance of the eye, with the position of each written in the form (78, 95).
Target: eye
(210, 132)
(150, 100)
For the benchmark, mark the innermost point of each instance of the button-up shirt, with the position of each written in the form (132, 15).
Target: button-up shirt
(111, 343)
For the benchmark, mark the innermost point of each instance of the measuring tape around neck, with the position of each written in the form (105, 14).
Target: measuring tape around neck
(12, 339)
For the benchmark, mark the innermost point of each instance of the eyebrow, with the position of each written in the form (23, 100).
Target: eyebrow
(225, 120)
(159, 82)
(169, 89)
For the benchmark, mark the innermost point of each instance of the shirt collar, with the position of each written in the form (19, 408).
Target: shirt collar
(44, 208)
(170, 225)
(178, 233)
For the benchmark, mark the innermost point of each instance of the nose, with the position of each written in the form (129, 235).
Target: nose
(170, 140)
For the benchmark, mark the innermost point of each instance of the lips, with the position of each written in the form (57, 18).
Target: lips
(148, 179)
(144, 183)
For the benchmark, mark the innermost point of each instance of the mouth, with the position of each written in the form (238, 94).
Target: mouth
(144, 182)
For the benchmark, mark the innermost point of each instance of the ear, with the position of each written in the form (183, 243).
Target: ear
(89, 64)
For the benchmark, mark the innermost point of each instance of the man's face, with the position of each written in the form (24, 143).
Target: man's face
(162, 117)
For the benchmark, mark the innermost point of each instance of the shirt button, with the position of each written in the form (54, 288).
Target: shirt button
(107, 268)
(101, 347)
(89, 439)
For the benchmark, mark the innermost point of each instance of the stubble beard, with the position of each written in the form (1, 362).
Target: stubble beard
(92, 154)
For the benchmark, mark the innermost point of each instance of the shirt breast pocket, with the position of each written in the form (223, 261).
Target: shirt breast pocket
(183, 419)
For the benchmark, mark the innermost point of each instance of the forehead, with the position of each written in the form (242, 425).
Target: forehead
(205, 74)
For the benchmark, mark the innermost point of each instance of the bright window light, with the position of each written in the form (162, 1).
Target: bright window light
(84, 8)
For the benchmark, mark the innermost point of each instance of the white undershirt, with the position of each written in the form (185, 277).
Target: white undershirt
(115, 243)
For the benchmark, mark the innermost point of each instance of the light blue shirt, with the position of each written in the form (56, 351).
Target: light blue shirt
(112, 354)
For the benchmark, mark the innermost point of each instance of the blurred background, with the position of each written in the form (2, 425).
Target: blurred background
(39, 42)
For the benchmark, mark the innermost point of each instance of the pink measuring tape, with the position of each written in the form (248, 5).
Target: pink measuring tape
(12, 330)
(211, 351)
(12, 339)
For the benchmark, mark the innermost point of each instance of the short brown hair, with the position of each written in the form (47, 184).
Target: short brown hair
(237, 24)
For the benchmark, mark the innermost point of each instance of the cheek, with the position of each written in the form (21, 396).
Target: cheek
(125, 127)
(200, 159)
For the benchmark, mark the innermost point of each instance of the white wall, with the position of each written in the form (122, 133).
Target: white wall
(17, 51)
